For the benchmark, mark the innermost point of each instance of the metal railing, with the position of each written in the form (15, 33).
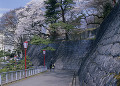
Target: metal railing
(7, 77)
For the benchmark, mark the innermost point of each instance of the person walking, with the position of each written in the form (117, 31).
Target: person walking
(50, 66)
(53, 66)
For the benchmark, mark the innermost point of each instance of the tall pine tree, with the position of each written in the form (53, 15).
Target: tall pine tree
(65, 5)
(51, 11)
(54, 8)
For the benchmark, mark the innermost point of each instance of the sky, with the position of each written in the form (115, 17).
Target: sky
(6, 5)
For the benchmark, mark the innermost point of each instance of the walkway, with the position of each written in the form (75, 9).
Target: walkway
(56, 78)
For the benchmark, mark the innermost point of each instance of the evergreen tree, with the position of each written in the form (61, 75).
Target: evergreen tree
(65, 5)
(62, 25)
(55, 8)
(51, 12)
(17, 65)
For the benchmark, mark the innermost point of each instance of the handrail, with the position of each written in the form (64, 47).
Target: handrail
(7, 77)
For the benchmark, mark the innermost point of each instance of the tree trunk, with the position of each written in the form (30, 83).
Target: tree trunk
(21, 46)
(21, 55)
(66, 34)
(53, 35)
(63, 14)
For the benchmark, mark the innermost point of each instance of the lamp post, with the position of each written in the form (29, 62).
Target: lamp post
(25, 47)
(44, 56)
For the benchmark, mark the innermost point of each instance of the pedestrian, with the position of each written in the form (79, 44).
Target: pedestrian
(50, 66)
(53, 66)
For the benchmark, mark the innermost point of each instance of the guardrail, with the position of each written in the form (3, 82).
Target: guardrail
(7, 77)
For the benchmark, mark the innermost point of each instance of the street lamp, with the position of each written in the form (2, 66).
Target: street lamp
(25, 47)
(44, 56)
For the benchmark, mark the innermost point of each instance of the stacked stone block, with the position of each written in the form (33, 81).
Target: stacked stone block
(102, 63)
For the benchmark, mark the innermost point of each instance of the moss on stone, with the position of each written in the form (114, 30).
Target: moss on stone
(118, 79)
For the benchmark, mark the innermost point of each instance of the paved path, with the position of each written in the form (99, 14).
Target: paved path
(56, 78)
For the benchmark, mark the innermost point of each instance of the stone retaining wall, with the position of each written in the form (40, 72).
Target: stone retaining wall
(103, 61)
(68, 54)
